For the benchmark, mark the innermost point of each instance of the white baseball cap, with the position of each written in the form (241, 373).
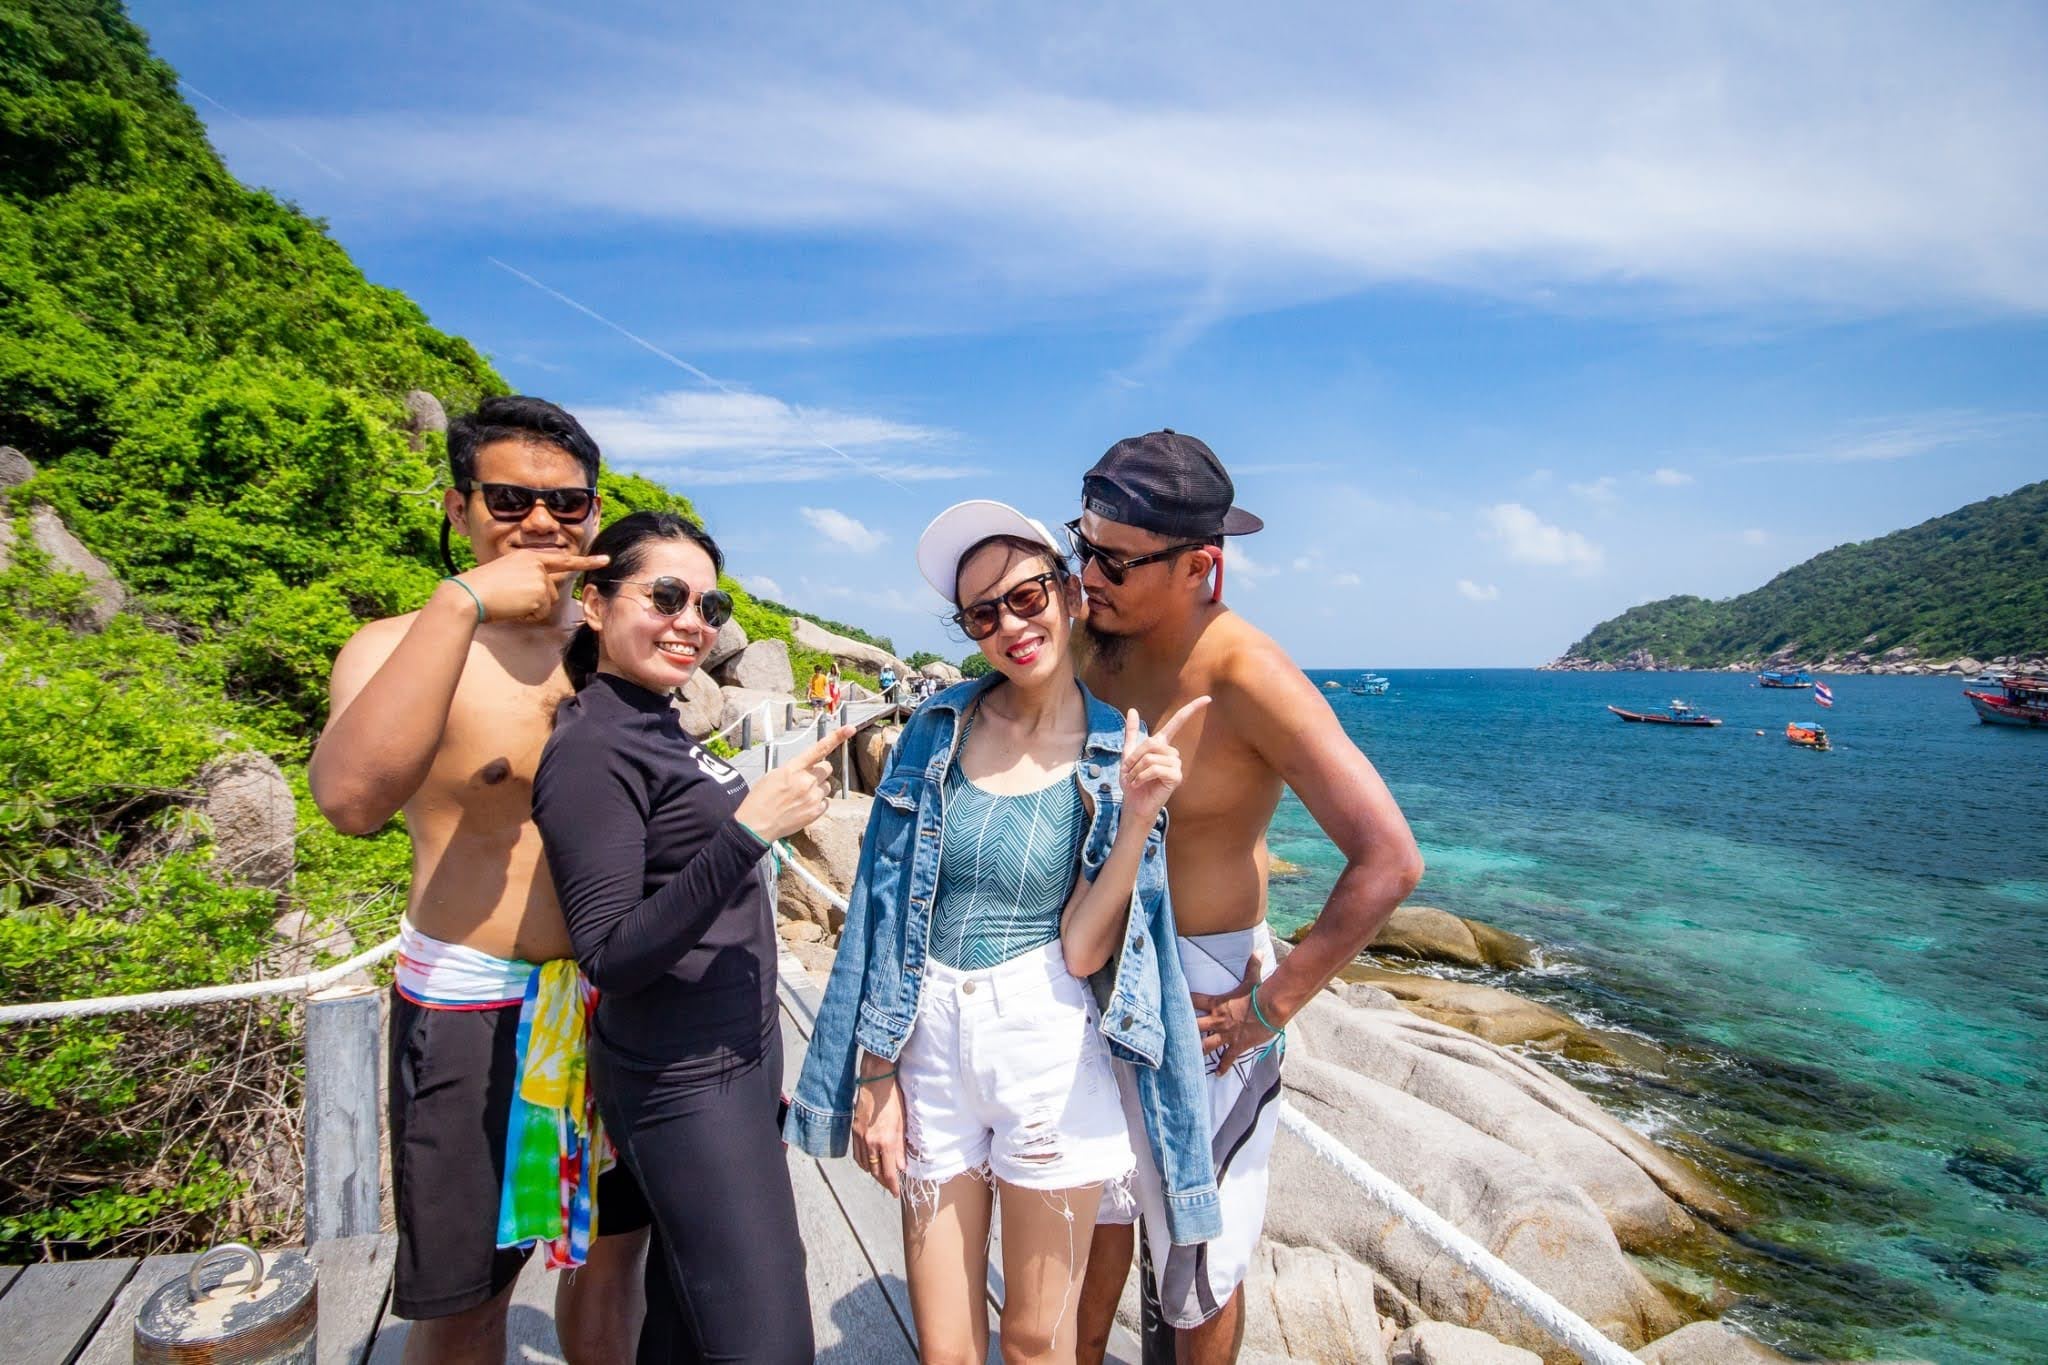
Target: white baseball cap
(965, 525)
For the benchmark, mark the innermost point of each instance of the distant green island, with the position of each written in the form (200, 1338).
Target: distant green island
(1949, 595)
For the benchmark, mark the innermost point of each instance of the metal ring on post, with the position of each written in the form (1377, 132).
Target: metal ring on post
(251, 1257)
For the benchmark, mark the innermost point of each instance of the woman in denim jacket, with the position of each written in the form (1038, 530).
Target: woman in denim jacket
(1001, 947)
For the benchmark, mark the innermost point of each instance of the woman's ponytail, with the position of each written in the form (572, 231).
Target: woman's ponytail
(580, 657)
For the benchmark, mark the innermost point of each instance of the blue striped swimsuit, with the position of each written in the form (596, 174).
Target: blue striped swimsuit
(1006, 867)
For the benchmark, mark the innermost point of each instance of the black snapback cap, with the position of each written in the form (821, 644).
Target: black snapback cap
(1168, 483)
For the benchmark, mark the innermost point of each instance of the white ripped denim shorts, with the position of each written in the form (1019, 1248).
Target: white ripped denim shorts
(1006, 1074)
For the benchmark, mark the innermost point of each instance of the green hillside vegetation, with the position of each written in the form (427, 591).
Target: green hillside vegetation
(1973, 583)
(213, 396)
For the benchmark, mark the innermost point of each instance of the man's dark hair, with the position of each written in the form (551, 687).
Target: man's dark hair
(516, 417)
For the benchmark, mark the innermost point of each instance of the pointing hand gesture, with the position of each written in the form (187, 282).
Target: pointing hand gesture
(793, 795)
(1152, 766)
(522, 585)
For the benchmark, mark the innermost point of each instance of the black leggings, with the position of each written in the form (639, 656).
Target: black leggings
(725, 1271)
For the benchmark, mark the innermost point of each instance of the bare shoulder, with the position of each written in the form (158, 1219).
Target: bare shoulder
(373, 643)
(1250, 676)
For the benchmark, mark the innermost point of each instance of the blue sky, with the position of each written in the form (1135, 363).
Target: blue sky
(1505, 317)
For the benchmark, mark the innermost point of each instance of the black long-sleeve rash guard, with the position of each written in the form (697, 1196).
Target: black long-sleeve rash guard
(665, 893)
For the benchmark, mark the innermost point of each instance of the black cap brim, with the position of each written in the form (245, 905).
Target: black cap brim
(1238, 522)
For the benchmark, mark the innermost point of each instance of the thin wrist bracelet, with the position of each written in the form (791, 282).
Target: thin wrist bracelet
(451, 578)
(1264, 1022)
(878, 1076)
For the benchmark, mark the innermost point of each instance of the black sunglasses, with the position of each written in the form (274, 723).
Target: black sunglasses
(978, 620)
(671, 597)
(1115, 569)
(511, 501)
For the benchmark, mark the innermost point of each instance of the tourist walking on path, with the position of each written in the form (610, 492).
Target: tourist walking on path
(1149, 543)
(818, 686)
(441, 714)
(1004, 939)
(660, 853)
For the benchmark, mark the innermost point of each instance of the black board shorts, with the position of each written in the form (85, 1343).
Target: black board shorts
(452, 1081)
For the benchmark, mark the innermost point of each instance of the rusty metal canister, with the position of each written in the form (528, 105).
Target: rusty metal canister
(268, 1318)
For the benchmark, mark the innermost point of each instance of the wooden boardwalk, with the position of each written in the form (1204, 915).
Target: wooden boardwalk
(752, 763)
(84, 1311)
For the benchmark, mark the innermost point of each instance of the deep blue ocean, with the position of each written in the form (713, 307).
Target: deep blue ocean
(1842, 951)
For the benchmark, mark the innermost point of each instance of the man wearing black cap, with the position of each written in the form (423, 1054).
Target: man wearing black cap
(1149, 541)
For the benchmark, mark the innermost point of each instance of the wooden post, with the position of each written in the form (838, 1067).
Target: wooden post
(788, 715)
(342, 1143)
(747, 731)
(845, 756)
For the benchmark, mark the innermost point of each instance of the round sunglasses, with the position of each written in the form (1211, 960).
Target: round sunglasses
(512, 501)
(1114, 569)
(671, 597)
(978, 620)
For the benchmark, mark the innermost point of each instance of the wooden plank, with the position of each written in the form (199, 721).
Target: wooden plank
(53, 1309)
(7, 1274)
(852, 1318)
(355, 1285)
(114, 1342)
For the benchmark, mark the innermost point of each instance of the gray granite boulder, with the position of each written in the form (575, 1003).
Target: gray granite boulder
(1443, 1343)
(254, 817)
(15, 468)
(105, 595)
(1433, 935)
(700, 704)
(857, 654)
(830, 850)
(762, 666)
(423, 413)
(731, 640)
(1468, 1165)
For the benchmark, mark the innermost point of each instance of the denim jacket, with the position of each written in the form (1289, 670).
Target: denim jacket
(871, 999)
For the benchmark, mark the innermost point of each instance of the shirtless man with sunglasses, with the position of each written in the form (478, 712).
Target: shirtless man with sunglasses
(442, 714)
(1149, 545)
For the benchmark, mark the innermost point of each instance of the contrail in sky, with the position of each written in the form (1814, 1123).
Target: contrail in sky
(261, 131)
(687, 368)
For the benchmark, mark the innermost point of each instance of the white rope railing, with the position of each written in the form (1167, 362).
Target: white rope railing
(1560, 1322)
(199, 995)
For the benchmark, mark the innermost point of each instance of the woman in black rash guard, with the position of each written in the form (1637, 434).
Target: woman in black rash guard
(657, 850)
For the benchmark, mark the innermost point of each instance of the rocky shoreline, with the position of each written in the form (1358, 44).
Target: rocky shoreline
(1429, 1077)
(1899, 661)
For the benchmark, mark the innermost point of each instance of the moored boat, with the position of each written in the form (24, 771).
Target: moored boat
(2022, 699)
(1806, 736)
(1371, 685)
(1678, 713)
(1784, 677)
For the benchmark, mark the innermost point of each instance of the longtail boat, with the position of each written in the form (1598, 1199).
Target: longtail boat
(1678, 713)
(1784, 677)
(1807, 736)
(2022, 699)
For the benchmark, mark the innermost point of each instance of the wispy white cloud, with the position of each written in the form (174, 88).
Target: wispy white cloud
(1903, 438)
(1755, 535)
(1745, 156)
(1242, 569)
(843, 530)
(1671, 478)
(1604, 491)
(1303, 564)
(1346, 580)
(1478, 592)
(761, 585)
(1528, 539)
(691, 437)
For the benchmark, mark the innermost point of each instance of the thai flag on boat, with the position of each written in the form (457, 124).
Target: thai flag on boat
(1823, 694)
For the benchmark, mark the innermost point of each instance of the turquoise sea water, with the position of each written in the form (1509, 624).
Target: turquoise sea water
(1844, 953)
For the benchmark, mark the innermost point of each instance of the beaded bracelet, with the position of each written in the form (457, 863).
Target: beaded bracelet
(1264, 1022)
(451, 578)
(870, 1080)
